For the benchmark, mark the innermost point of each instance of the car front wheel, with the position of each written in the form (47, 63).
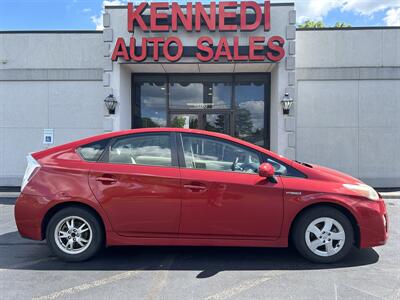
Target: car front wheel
(74, 234)
(323, 235)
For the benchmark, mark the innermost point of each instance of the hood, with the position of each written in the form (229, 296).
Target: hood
(333, 175)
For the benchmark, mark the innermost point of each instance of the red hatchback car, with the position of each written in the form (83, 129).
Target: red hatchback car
(166, 186)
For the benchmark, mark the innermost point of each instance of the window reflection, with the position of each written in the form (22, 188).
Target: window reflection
(153, 104)
(185, 94)
(249, 122)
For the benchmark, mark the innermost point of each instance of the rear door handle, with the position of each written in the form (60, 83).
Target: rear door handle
(195, 188)
(106, 180)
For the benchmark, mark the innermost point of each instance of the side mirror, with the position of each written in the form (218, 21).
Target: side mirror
(266, 170)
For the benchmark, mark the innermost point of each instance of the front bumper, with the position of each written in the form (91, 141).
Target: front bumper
(373, 224)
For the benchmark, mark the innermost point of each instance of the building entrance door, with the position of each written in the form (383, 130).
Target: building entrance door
(211, 121)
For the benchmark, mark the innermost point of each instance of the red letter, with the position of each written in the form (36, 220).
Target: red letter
(156, 41)
(178, 54)
(120, 50)
(275, 45)
(154, 16)
(267, 16)
(223, 49)
(209, 20)
(208, 49)
(178, 13)
(253, 47)
(135, 15)
(143, 53)
(226, 15)
(243, 20)
(236, 54)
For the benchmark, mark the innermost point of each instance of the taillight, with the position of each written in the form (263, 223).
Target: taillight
(31, 168)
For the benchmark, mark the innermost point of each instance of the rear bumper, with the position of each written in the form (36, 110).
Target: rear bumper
(29, 212)
(374, 225)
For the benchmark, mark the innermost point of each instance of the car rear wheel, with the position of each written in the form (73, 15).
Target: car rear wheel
(74, 234)
(323, 235)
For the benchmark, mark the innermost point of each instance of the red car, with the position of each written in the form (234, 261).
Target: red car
(166, 186)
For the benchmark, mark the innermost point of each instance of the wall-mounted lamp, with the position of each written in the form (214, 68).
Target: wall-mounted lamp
(111, 104)
(286, 103)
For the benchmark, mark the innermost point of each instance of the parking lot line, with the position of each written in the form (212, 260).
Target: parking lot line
(90, 285)
(241, 287)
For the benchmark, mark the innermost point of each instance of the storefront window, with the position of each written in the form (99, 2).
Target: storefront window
(199, 93)
(250, 110)
(237, 105)
(152, 104)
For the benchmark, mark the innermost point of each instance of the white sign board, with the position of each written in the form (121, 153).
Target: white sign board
(48, 137)
(187, 122)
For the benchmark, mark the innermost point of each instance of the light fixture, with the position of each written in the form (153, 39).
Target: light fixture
(111, 104)
(286, 103)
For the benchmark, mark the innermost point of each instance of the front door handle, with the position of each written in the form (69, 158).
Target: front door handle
(195, 188)
(106, 180)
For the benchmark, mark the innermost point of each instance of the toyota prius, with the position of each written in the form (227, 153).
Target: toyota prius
(180, 187)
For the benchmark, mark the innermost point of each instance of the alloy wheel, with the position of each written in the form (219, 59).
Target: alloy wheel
(73, 235)
(325, 236)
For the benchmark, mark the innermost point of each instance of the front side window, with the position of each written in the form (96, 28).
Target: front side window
(208, 153)
(150, 150)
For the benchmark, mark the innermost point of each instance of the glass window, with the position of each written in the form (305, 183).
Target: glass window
(249, 114)
(93, 151)
(153, 104)
(213, 154)
(216, 123)
(149, 149)
(199, 93)
(184, 121)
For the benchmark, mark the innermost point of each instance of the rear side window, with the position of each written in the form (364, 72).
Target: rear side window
(92, 152)
(142, 149)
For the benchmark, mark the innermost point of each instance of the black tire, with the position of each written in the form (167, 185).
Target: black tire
(309, 216)
(97, 234)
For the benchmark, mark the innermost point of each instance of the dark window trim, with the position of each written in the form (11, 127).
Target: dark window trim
(172, 142)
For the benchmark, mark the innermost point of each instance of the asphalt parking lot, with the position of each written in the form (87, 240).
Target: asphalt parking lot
(29, 271)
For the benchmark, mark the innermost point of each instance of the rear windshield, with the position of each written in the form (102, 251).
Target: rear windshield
(93, 151)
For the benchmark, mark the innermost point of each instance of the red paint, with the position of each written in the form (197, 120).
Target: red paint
(209, 18)
(134, 15)
(185, 18)
(266, 170)
(148, 205)
(223, 50)
(267, 15)
(254, 47)
(236, 55)
(178, 43)
(155, 7)
(132, 46)
(275, 44)
(226, 12)
(204, 48)
(156, 46)
(243, 11)
(120, 50)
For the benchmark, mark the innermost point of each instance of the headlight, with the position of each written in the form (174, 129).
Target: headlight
(363, 190)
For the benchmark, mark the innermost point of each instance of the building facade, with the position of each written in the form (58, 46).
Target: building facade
(225, 69)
